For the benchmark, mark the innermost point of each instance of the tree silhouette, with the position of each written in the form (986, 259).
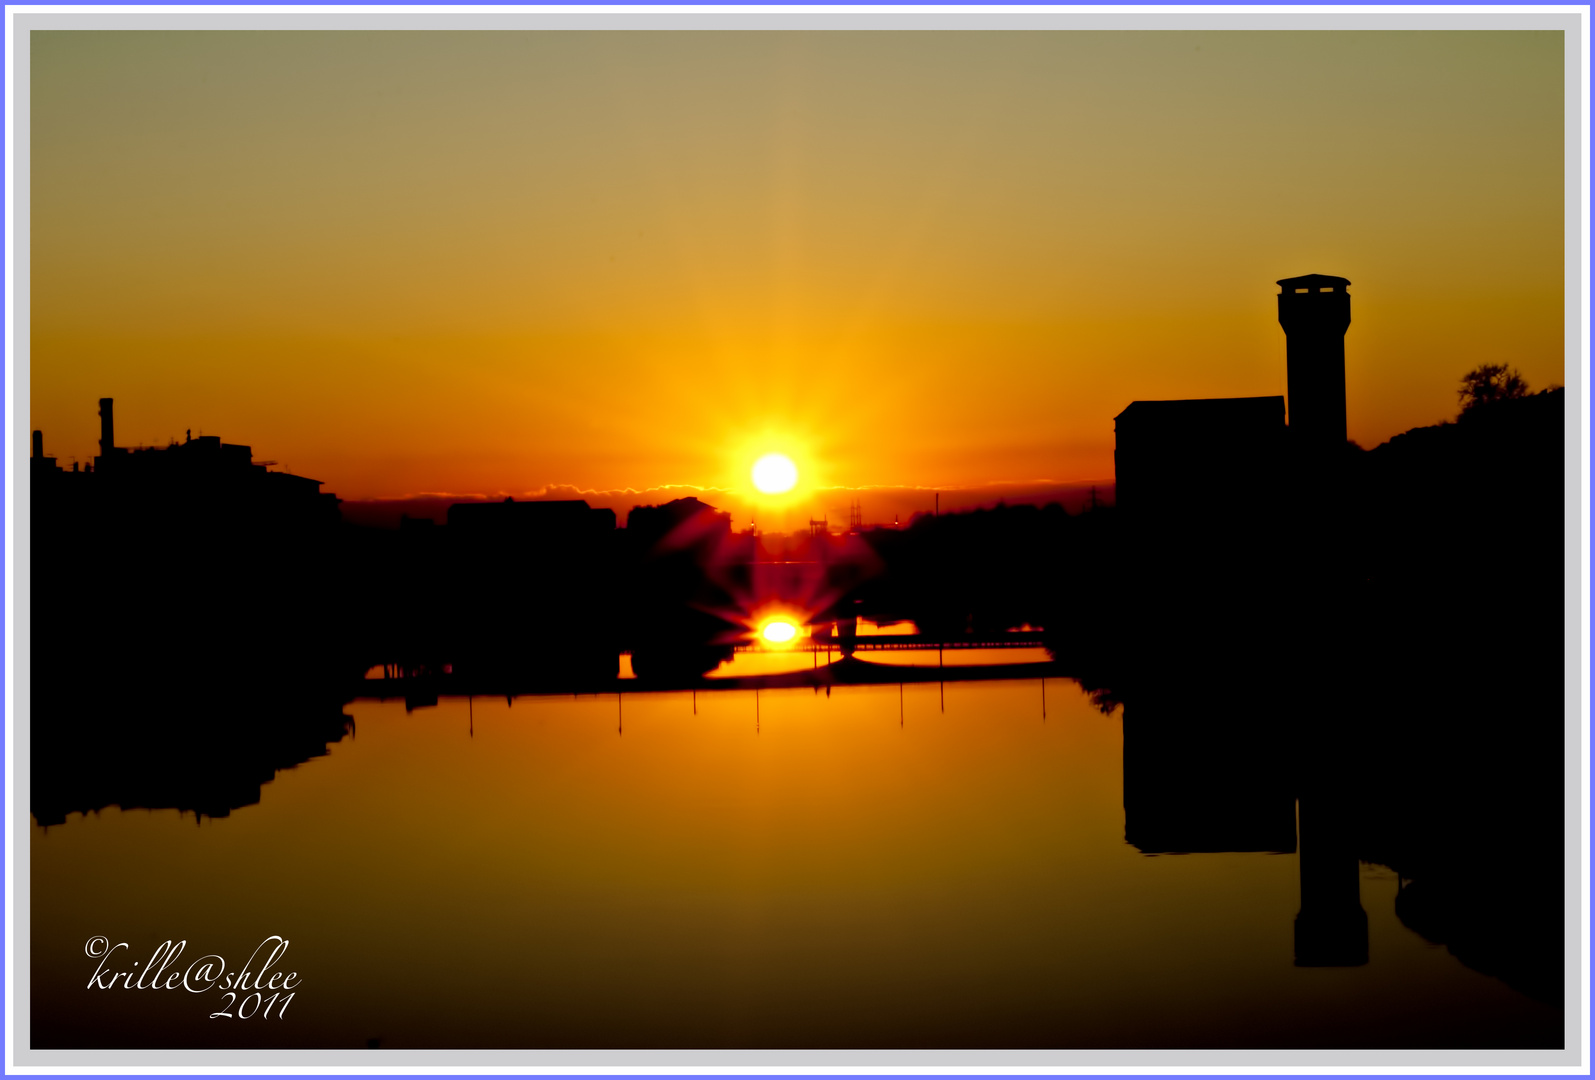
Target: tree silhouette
(1489, 383)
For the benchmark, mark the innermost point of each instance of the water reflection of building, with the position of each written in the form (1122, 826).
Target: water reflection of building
(148, 755)
(1200, 778)
(1331, 928)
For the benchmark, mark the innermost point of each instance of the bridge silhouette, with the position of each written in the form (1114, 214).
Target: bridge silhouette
(420, 687)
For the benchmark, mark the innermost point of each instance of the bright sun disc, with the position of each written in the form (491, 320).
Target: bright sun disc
(778, 631)
(774, 474)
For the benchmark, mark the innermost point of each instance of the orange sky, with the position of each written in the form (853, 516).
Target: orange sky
(489, 262)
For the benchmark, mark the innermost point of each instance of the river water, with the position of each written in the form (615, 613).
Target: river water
(880, 866)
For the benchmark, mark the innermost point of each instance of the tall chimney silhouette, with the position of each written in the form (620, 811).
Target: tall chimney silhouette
(1315, 311)
(107, 430)
(38, 444)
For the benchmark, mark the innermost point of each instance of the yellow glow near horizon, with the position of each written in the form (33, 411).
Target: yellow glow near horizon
(852, 242)
(779, 632)
(774, 474)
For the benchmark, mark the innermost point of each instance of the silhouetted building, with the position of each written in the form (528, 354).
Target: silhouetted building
(678, 597)
(677, 525)
(39, 463)
(531, 593)
(1315, 311)
(1225, 459)
(193, 558)
(1199, 458)
(107, 431)
(196, 479)
(549, 517)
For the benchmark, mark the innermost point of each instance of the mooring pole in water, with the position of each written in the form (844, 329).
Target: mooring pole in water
(695, 703)
(1043, 698)
(756, 710)
(470, 711)
(943, 697)
(899, 704)
(620, 714)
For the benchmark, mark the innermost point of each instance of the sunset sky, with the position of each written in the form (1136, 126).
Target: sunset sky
(490, 262)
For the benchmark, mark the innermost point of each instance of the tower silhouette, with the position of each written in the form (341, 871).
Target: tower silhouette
(1315, 311)
(107, 430)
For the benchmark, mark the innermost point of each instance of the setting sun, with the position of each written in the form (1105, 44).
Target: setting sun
(774, 474)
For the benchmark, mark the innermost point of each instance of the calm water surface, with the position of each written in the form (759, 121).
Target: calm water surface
(880, 867)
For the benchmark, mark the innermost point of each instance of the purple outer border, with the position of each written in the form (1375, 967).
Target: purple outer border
(815, 5)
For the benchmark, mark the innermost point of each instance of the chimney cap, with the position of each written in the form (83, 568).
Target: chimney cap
(1313, 281)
